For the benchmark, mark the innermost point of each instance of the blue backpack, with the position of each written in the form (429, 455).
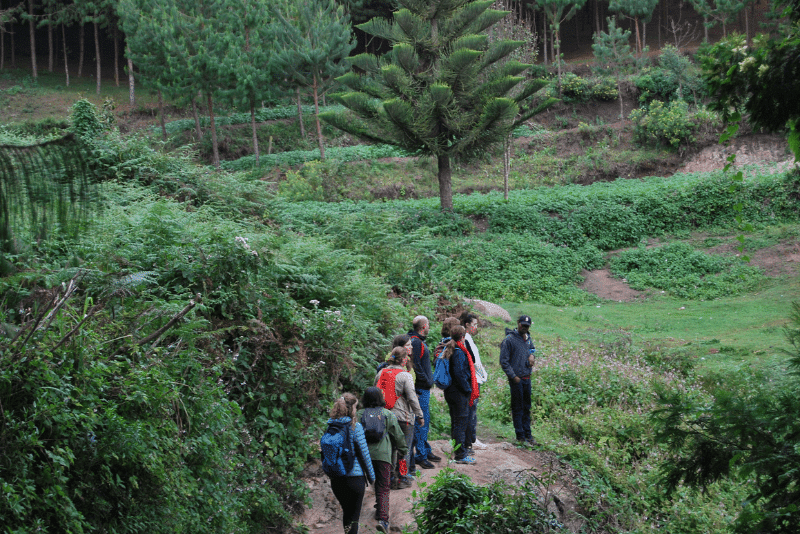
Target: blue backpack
(336, 446)
(441, 369)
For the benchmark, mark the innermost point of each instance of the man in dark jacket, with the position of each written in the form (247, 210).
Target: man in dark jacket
(421, 358)
(516, 360)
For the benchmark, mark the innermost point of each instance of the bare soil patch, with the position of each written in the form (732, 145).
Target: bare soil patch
(499, 461)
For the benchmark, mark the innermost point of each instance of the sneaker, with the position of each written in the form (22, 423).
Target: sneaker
(410, 477)
(425, 464)
(433, 458)
(383, 526)
(468, 451)
(466, 460)
(403, 483)
(479, 445)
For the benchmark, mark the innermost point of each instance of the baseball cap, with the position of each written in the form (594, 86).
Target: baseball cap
(524, 319)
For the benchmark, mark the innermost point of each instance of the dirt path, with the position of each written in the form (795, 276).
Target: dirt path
(498, 461)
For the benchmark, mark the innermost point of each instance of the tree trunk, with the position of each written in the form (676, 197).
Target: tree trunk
(82, 49)
(32, 31)
(64, 46)
(196, 115)
(544, 37)
(621, 105)
(253, 124)
(506, 165)
(97, 52)
(2, 47)
(131, 91)
(116, 56)
(705, 29)
(644, 35)
(597, 26)
(214, 145)
(161, 115)
(13, 52)
(638, 38)
(445, 182)
(300, 115)
(316, 117)
(557, 42)
(51, 51)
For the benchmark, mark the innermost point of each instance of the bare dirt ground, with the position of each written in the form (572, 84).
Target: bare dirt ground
(500, 461)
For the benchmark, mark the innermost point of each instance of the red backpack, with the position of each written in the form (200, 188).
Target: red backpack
(386, 382)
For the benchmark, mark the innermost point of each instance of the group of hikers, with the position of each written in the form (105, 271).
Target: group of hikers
(385, 441)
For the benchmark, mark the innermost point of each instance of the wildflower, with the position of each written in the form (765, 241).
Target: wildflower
(314, 302)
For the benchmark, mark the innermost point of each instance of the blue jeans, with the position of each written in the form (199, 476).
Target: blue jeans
(521, 407)
(421, 431)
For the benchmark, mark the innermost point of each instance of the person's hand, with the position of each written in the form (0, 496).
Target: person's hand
(421, 421)
(517, 379)
(531, 359)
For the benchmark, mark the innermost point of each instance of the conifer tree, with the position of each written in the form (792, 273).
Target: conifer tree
(442, 90)
(558, 12)
(635, 10)
(613, 53)
(315, 40)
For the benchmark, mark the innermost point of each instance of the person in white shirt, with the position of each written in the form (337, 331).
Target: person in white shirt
(470, 322)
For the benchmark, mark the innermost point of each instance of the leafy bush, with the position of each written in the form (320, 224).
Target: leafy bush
(262, 115)
(604, 89)
(656, 83)
(452, 503)
(296, 157)
(573, 87)
(668, 124)
(685, 272)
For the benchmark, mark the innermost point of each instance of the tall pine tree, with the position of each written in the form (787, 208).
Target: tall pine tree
(315, 41)
(442, 90)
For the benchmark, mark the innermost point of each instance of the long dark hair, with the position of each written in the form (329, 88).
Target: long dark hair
(373, 398)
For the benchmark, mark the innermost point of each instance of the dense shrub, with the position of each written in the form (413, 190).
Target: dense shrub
(666, 124)
(685, 272)
(454, 504)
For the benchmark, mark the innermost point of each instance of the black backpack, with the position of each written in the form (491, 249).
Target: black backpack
(374, 422)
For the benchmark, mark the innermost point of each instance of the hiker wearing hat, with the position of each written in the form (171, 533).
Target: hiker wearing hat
(516, 360)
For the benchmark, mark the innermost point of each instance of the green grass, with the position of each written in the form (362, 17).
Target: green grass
(747, 330)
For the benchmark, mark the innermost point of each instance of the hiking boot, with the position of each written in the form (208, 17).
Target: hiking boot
(403, 483)
(383, 526)
(433, 458)
(532, 441)
(466, 460)
(524, 443)
(468, 451)
(425, 464)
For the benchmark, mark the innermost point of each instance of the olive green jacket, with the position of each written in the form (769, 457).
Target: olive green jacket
(394, 438)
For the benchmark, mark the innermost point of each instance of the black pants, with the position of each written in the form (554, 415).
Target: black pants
(458, 403)
(349, 491)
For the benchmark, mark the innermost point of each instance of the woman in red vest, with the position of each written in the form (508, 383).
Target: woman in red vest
(397, 385)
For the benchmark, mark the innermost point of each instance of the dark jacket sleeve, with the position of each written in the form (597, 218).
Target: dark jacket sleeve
(459, 371)
(421, 358)
(505, 358)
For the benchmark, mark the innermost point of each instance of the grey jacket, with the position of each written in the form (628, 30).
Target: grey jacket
(514, 353)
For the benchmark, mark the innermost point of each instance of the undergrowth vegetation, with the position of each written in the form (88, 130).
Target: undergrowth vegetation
(169, 368)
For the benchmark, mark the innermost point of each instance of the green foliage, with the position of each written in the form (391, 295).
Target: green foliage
(758, 80)
(605, 89)
(668, 124)
(85, 120)
(262, 115)
(745, 432)
(574, 87)
(685, 272)
(296, 157)
(452, 503)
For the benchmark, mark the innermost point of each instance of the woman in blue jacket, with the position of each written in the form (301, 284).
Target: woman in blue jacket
(462, 392)
(349, 489)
